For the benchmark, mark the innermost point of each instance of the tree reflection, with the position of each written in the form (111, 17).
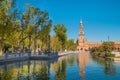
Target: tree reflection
(59, 69)
(71, 60)
(38, 70)
(82, 62)
(42, 74)
(61, 73)
(109, 67)
(8, 75)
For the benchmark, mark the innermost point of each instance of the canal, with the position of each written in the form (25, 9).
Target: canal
(80, 66)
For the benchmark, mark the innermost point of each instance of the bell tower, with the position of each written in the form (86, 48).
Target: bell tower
(81, 32)
(81, 28)
(82, 42)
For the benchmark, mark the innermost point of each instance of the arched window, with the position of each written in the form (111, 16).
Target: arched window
(118, 49)
(81, 48)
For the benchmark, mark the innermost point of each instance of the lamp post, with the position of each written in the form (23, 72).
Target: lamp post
(35, 29)
(22, 22)
(48, 45)
(29, 53)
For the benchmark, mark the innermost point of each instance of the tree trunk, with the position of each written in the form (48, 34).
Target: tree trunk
(35, 41)
(1, 48)
(1, 43)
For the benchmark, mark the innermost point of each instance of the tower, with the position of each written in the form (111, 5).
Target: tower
(82, 42)
(81, 28)
(81, 32)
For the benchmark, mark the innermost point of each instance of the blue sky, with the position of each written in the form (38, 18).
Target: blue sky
(101, 18)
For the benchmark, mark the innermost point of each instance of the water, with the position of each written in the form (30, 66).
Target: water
(71, 67)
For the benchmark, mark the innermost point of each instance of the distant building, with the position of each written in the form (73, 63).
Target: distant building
(81, 41)
(84, 45)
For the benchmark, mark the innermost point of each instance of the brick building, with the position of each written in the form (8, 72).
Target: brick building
(83, 44)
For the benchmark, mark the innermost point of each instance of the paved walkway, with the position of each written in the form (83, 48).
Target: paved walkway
(19, 57)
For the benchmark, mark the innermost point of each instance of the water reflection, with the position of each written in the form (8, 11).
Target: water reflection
(109, 67)
(71, 59)
(82, 60)
(35, 70)
(59, 69)
(28, 70)
(63, 68)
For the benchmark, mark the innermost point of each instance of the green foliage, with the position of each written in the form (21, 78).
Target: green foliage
(43, 36)
(71, 45)
(41, 25)
(60, 31)
(33, 25)
(15, 29)
(55, 43)
(6, 20)
(104, 50)
(108, 47)
(43, 73)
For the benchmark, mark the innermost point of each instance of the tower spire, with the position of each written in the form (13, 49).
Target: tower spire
(81, 27)
(81, 20)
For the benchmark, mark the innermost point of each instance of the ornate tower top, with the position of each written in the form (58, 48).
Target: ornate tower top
(81, 28)
(81, 21)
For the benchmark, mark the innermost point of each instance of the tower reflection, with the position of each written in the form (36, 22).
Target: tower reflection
(83, 58)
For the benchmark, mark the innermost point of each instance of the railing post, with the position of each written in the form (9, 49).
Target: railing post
(6, 55)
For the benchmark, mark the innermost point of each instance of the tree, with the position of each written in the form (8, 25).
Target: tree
(43, 36)
(6, 17)
(41, 23)
(71, 45)
(16, 30)
(108, 47)
(104, 50)
(13, 37)
(55, 43)
(34, 23)
(60, 31)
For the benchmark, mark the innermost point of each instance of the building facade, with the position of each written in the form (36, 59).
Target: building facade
(84, 45)
(82, 41)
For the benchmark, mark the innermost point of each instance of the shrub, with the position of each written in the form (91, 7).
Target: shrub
(104, 50)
